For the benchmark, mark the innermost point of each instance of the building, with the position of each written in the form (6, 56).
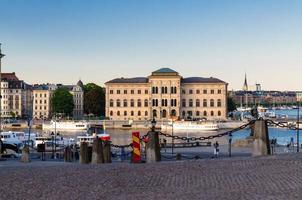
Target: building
(42, 95)
(164, 95)
(77, 92)
(16, 95)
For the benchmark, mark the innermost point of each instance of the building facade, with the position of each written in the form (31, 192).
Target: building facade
(15, 94)
(77, 92)
(165, 95)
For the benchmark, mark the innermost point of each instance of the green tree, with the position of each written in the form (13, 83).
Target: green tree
(94, 99)
(231, 104)
(62, 101)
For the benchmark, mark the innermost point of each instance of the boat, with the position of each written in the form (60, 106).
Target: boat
(198, 126)
(89, 138)
(65, 125)
(11, 137)
(49, 141)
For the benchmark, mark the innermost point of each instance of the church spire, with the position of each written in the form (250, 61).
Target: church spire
(245, 87)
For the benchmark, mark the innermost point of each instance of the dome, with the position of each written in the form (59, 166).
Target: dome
(80, 83)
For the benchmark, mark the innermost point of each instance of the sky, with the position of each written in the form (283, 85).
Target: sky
(62, 41)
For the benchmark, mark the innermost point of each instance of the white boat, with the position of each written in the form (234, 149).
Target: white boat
(50, 141)
(89, 138)
(66, 125)
(11, 137)
(198, 126)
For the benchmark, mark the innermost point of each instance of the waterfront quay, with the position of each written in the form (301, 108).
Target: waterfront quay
(270, 177)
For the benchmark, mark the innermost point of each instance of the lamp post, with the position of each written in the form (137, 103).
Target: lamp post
(230, 144)
(153, 123)
(298, 126)
(172, 137)
(52, 143)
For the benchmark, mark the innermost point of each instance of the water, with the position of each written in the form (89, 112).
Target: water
(291, 113)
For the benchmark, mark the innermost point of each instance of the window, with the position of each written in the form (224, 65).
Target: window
(154, 102)
(205, 91)
(45, 101)
(139, 113)
(212, 103)
(139, 103)
(164, 113)
(204, 113)
(139, 91)
(191, 103)
(212, 113)
(118, 92)
(118, 113)
(205, 103)
(219, 91)
(197, 91)
(146, 92)
(111, 113)
(111, 92)
(154, 90)
(118, 103)
(154, 112)
(219, 113)
(125, 91)
(146, 103)
(197, 113)
(44, 95)
(197, 103)
(132, 91)
(164, 90)
(183, 114)
(173, 112)
(190, 91)
(173, 102)
(132, 103)
(183, 103)
(212, 91)
(146, 113)
(111, 103)
(125, 103)
(219, 103)
(132, 113)
(183, 91)
(125, 113)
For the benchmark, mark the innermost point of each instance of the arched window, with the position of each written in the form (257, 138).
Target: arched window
(212, 103)
(139, 113)
(197, 113)
(197, 103)
(154, 112)
(205, 103)
(118, 103)
(219, 103)
(125, 103)
(173, 112)
(164, 113)
(191, 103)
(118, 113)
(132, 103)
(183, 103)
(139, 103)
(219, 113)
(111, 103)
(111, 113)
(205, 113)
(183, 114)
(146, 103)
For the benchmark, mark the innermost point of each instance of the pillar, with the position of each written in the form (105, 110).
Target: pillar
(261, 144)
(153, 148)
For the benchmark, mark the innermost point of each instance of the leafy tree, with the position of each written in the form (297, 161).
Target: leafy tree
(94, 99)
(62, 101)
(231, 104)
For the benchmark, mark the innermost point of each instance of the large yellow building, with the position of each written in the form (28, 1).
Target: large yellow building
(164, 95)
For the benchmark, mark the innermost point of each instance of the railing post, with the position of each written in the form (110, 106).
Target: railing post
(68, 154)
(107, 152)
(153, 148)
(97, 151)
(25, 154)
(261, 144)
(84, 153)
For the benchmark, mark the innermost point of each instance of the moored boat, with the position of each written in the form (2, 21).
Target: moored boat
(198, 126)
(65, 125)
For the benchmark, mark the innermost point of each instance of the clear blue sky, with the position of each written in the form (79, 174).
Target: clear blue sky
(62, 41)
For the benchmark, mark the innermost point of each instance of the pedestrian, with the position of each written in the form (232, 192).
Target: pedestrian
(216, 149)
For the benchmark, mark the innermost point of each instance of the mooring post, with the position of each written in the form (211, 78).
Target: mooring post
(84, 153)
(261, 144)
(97, 151)
(107, 152)
(25, 154)
(68, 154)
(153, 148)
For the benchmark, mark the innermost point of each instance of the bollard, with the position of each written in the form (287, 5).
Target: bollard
(178, 156)
(25, 155)
(84, 153)
(261, 144)
(107, 151)
(68, 154)
(153, 148)
(97, 151)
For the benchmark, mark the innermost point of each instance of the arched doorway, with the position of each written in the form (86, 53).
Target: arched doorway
(173, 113)
(164, 113)
(154, 112)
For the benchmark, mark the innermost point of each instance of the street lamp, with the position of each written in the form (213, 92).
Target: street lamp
(153, 123)
(230, 144)
(52, 143)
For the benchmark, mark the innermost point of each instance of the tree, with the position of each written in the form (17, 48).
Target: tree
(94, 99)
(62, 101)
(231, 104)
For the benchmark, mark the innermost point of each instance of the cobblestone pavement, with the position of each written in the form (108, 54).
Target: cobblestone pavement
(272, 177)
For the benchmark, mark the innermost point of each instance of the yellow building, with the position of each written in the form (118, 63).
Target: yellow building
(165, 94)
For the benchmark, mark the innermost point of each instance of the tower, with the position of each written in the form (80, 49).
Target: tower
(245, 86)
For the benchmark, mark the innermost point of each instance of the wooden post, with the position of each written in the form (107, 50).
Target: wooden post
(25, 154)
(68, 154)
(107, 152)
(261, 144)
(84, 153)
(97, 151)
(153, 148)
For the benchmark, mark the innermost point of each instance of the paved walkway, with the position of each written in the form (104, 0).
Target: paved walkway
(272, 177)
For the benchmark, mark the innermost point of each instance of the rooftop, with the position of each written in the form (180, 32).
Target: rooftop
(9, 76)
(129, 80)
(201, 80)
